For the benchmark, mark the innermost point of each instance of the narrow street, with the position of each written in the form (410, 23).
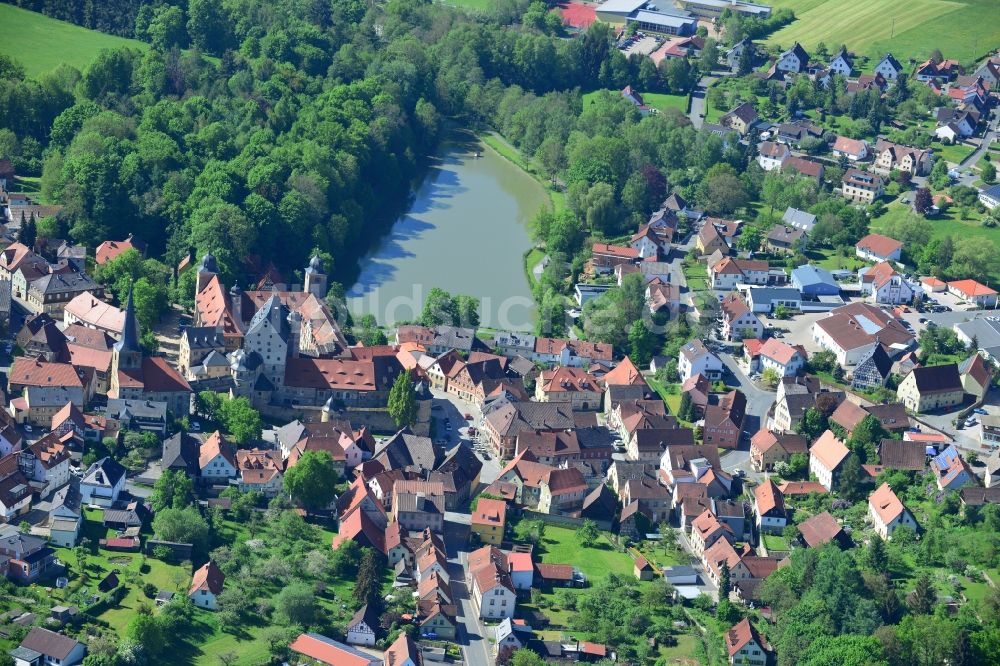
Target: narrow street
(698, 101)
(472, 635)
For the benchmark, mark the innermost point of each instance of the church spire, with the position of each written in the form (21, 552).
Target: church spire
(130, 331)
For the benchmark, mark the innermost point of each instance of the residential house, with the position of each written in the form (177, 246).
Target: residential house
(804, 167)
(781, 357)
(974, 292)
(842, 64)
(826, 457)
(726, 274)
(402, 652)
(887, 512)
(770, 154)
(102, 482)
(489, 520)
(606, 257)
(976, 375)
(697, 388)
(821, 529)
(738, 320)
(28, 557)
(46, 462)
(793, 61)
(769, 506)
(741, 119)
(799, 219)
(812, 280)
(492, 589)
(709, 240)
(110, 249)
(419, 505)
(504, 419)
(627, 93)
(989, 196)
(569, 385)
(891, 156)
(561, 491)
(15, 497)
(322, 650)
(768, 449)
(885, 285)
(216, 460)
(872, 371)
(259, 470)
(784, 238)
(570, 353)
(706, 529)
(724, 421)
(89, 311)
(888, 67)
(42, 646)
(206, 585)
(862, 187)
(695, 359)
(746, 646)
(853, 149)
(363, 627)
(928, 388)
(44, 389)
(951, 470)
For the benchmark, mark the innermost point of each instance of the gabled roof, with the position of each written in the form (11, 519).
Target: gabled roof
(333, 653)
(49, 643)
(977, 368)
(208, 577)
(886, 504)
(819, 529)
(937, 378)
(768, 498)
(829, 450)
(902, 455)
(212, 448)
(741, 634)
(879, 245)
(624, 374)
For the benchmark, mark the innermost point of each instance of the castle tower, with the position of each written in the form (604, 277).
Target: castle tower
(316, 282)
(208, 269)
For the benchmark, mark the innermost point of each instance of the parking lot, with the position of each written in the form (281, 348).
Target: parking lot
(642, 45)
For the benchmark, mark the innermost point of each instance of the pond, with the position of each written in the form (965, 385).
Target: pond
(466, 232)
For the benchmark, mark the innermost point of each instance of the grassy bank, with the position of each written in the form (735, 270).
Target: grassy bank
(41, 43)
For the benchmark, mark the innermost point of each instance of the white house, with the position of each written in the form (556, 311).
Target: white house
(884, 284)
(826, 457)
(361, 629)
(793, 61)
(887, 512)
(841, 64)
(42, 646)
(889, 67)
(216, 460)
(876, 247)
(206, 585)
(771, 154)
(769, 505)
(694, 358)
(990, 196)
(783, 358)
(852, 149)
(102, 482)
(15, 497)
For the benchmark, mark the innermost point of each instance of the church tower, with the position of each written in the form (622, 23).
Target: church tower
(126, 355)
(316, 282)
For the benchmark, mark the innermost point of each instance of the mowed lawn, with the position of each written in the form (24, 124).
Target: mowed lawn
(660, 101)
(41, 43)
(962, 29)
(561, 547)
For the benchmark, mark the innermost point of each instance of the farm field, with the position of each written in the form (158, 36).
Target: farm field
(41, 43)
(962, 29)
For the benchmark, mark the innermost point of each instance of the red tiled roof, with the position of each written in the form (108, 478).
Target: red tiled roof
(879, 245)
(886, 504)
(35, 372)
(159, 377)
(615, 251)
(208, 577)
(829, 450)
(971, 288)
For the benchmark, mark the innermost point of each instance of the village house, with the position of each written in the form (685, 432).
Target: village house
(44, 388)
(895, 157)
(706, 529)
(697, 388)
(492, 590)
(489, 520)
(769, 507)
(419, 505)
(989, 196)
(784, 238)
(793, 61)
(627, 93)
(862, 187)
(89, 311)
(925, 389)
(606, 257)
(971, 291)
(872, 371)
(109, 249)
(746, 646)
(103, 481)
(322, 650)
(726, 274)
(853, 149)
(887, 512)
(259, 470)
(826, 457)
(804, 167)
(216, 461)
(570, 353)
(42, 646)
(799, 219)
(976, 375)
(781, 357)
(822, 529)
(569, 385)
(889, 67)
(738, 320)
(206, 586)
(504, 419)
(741, 119)
(768, 449)
(951, 471)
(842, 64)
(885, 285)
(363, 627)
(51, 293)
(695, 359)
(770, 154)
(561, 491)
(724, 421)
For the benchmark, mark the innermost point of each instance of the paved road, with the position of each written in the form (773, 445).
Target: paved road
(454, 409)
(988, 136)
(697, 113)
(759, 401)
(472, 636)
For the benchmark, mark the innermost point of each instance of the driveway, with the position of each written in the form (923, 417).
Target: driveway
(697, 113)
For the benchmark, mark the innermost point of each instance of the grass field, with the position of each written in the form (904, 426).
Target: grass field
(561, 547)
(41, 43)
(659, 101)
(477, 5)
(962, 29)
(953, 153)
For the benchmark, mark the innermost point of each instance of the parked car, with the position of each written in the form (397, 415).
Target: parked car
(979, 410)
(195, 426)
(971, 421)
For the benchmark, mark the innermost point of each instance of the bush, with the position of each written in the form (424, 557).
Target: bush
(149, 590)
